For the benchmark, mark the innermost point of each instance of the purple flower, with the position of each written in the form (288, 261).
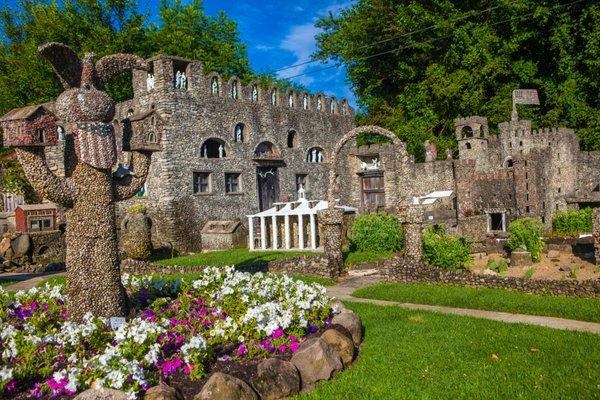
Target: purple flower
(313, 328)
(293, 339)
(294, 347)
(282, 348)
(45, 307)
(242, 350)
(36, 392)
(149, 315)
(171, 366)
(277, 333)
(34, 305)
(10, 386)
(187, 368)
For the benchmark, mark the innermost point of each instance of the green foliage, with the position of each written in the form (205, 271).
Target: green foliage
(468, 64)
(526, 232)
(499, 266)
(14, 181)
(380, 231)
(573, 222)
(136, 208)
(529, 273)
(445, 251)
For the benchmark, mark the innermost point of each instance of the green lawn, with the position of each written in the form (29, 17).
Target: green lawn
(232, 257)
(7, 282)
(585, 309)
(358, 257)
(411, 354)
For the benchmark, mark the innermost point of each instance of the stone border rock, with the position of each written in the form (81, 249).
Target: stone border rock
(400, 269)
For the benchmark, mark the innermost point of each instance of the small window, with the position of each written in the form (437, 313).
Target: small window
(526, 186)
(291, 100)
(527, 209)
(273, 98)
(213, 148)
(61, 133)
(526, 175)
(510, 163)
(467, 132)
(596, 188)
(201, 182)
(315, 155)
(232, 183)
(214, 85)
(301, 181)
(527, 197)
(239, 133)
(40, 135)
(521, 143)
(559, 190)
(496, 221)
(234, 89)
(255, 93)
(525, 162)
(319, 103)
(292, 139)
(305, 102)
(332, 106)
(151, 138)
(468, 146)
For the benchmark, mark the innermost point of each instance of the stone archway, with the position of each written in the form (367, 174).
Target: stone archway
(401, 154)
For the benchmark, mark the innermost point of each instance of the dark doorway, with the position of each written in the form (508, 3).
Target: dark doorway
(497, 222)
(268, 186)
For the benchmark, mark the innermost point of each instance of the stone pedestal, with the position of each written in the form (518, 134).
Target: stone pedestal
(137, 235)
(520, 258)
(412, 219)
(331, 221)
(596, 223)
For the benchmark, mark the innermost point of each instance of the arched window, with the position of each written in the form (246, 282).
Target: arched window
(508, 163)
(61, 132)
(273, 98)
(305, 101)
(151, 137)
(468, 146)
(214, 85)
(238, 133)
(291, 100)
(332, 106)
(292, 138)
(467, 132)
(234, 89)
(315, 155)
(319, 103)
(266, 150)
(254, 93)
(213, 148)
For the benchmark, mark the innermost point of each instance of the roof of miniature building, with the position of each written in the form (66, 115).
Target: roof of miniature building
(221, 227)
(143, 115)
(33, 207)
(26, 112)
(300, 207)
(432, 197)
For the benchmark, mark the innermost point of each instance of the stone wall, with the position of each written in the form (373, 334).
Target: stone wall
(399, 269)
(320, 266)
(596, 220)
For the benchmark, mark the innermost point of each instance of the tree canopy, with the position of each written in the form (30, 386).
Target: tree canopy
(417, 65)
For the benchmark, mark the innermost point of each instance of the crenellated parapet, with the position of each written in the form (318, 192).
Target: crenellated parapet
(176, 74)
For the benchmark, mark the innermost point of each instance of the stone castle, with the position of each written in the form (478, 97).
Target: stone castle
(224, 150)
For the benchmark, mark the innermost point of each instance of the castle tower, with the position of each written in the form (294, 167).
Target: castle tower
(472, 135)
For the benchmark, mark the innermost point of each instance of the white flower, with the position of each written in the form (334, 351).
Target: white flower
(6, 374)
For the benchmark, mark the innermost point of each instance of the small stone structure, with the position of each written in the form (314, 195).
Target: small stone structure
(33, 252)
(412, 219)
(332, 221)
(596, 224)
(401, 269)
(520, 258)
(223, 235)
(30, 126)
(136, 232)
(36, 217)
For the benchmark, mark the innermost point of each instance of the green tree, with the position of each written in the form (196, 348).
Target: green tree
(415, 80)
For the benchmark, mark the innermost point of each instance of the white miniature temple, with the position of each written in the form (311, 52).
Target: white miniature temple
(292, 225)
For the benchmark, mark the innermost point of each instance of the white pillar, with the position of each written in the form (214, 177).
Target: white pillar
(313, 232)
(275, 241)
(300, 232)
(286, 231)
(251, 232)
(263, 234)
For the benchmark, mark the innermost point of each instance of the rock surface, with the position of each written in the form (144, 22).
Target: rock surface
(553, 254)
(21, 245)
(350, 321)
(163, 392)
(102, 394)
(342, 344)
(276, 379)
(316, 361)
(225, 387)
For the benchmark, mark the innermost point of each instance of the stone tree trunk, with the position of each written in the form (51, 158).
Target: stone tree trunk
(596, 229)
(89, 191)
(331, 220)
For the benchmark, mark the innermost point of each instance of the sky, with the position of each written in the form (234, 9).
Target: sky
(279, 34)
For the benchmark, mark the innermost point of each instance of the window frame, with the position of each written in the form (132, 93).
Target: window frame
(196, 185)
(237, 183)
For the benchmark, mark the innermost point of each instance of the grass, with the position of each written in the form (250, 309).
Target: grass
(7, 282)
(411, 354)
(358, 257)
(585, 309)
(232, 257)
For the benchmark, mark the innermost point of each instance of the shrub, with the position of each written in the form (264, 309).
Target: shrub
(573, 222)
(377, 232)
(445, 251)
(136, 208)
(499, 266)
(526, 232)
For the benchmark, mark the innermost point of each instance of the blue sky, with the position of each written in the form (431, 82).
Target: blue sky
(278, 34)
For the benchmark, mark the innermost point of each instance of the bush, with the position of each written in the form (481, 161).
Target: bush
(499, 266)
(445, 251)
(136, 208)
(526, 232)
(377, 232)
(573, 222)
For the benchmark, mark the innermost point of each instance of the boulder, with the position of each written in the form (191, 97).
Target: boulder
(4, 245)
(21, 245)
(221, 386)
(338, 307)
(490, 272)
(565, 268)
(136, 234)
(102, 394)
(342, 344)
(276, 379)
(350, 321)
(553, 254)
(316, 361)
(163, 392)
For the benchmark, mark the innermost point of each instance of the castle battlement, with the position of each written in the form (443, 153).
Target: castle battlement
(176, 74)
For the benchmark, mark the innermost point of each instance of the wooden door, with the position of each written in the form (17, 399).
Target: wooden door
(268, 186)
(373, 191)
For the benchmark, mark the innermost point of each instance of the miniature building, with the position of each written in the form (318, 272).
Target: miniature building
(36, 217)
(30, 126)
(143, 132)
(223, 235)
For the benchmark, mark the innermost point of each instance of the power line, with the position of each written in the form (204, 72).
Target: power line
(424, 42)
(468, 15)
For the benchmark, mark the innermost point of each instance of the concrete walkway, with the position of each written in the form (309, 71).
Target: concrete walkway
(343, 291)
(26, 281)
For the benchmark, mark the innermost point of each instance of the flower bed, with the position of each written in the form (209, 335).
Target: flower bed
(176, 328)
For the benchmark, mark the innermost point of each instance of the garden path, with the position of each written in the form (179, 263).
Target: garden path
(346, 286)
(26, 281)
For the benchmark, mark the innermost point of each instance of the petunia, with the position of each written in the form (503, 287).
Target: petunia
(282, 348)
(277, 333)
(242, 350)
(294, 347)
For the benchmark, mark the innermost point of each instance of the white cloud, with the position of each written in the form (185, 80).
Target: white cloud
(263, 47)
(301, 42)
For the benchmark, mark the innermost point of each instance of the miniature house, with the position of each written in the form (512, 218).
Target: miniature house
(144, 132)
(223, 235)
(30, 126)
(36, 217)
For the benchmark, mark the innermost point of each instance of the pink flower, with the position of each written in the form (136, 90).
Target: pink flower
(282, 348)
(187, 368)
(293, 339)
(294, 347)
(171, 366)
(277, 333)
(10, 386)
(36, 392)
(242, 350)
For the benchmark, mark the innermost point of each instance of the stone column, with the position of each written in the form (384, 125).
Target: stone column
(331, 221)
(596, 223)
(412, 219)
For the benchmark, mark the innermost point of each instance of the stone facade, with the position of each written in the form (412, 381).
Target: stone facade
(216, 136)
(401, 269)
(596, 219)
